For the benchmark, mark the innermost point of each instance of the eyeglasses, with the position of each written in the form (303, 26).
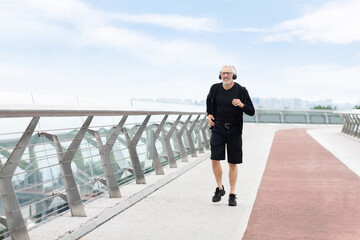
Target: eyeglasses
(224, 73)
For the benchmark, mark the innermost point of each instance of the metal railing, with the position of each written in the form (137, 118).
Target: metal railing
(67, 157)
(294, 116)
(45, 171)
(351, 124)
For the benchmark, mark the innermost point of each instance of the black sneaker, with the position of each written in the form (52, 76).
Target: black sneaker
(218, 194)
(232, 200)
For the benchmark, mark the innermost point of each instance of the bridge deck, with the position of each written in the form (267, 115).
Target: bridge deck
(182, 209)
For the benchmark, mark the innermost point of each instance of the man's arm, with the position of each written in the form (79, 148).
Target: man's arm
(247, 106)
(208, 104)
(208, 108)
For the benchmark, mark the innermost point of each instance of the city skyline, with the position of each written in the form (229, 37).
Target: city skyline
(262, 103)
(132, 49)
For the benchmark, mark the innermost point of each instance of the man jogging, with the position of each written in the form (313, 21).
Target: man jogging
(226, 103)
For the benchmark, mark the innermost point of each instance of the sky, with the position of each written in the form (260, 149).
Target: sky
(307, 49)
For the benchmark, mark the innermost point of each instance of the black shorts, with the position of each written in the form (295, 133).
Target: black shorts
(232, 138)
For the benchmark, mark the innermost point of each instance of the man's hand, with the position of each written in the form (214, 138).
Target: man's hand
(211, 120)
(237, 103)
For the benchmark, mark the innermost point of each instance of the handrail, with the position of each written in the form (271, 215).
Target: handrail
(9, 113)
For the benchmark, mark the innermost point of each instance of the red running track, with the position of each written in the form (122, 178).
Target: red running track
(305, 193)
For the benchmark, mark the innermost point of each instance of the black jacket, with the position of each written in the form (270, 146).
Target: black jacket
(243, 96)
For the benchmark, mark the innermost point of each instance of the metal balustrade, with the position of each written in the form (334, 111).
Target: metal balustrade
(294, 116)
(48, 167)
(45, 171)
(351, 124)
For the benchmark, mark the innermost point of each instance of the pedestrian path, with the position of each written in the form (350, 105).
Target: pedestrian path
(305, 193)
(178, 204)
(183, 209)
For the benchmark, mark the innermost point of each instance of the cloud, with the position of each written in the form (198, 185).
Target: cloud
(39, 20)
(307, 82)
(176, 51)
(251, 30)
(172, 21)
(323, 81)
(73, 22)
(336, 22)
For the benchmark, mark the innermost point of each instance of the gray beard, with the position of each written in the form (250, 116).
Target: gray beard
(227, 82)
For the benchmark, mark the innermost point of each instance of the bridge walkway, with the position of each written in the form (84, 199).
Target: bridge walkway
(178, 205)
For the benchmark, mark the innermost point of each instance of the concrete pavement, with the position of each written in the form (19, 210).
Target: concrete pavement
(183, 209)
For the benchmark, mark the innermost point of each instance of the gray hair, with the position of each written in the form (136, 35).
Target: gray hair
(231, 66)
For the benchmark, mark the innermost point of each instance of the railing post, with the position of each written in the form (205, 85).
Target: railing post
(354, 129)
(169, 151)
(110, 183)
(326, 118)
(14, 219)
(203, 128)
(282, 117)
(179, 134)
(104, 150)
(344, 122)
(307, 118)
(348, 125)
(65, 159)
(352, 124)
(198, 132)
(190, 140)
(156, 159)
(131, 144)
(357, 131)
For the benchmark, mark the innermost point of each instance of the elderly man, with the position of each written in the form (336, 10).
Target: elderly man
(226, 103)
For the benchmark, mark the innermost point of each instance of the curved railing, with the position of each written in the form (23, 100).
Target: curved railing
(67, 157)
(351, 123)
(55, 160)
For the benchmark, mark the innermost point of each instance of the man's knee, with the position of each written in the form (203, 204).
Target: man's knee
(232, 166)
(215, 163)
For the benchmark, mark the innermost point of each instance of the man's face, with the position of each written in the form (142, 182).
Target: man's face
(226, 75)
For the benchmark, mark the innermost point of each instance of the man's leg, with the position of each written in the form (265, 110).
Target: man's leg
(233, 174)
(216, 166)
(217, 152)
